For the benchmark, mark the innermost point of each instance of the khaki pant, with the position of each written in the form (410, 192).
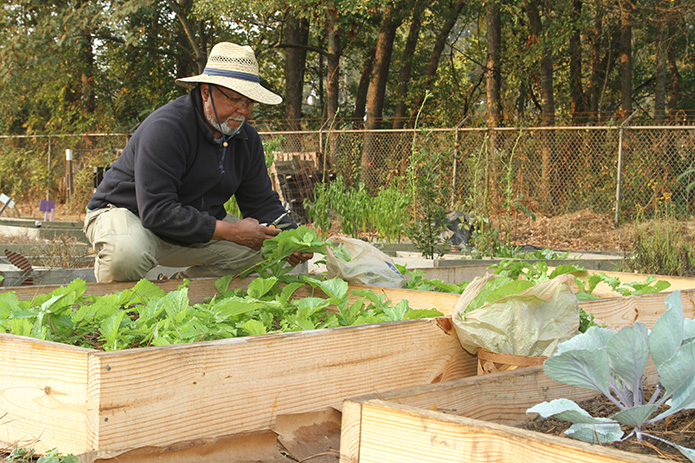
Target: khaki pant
(126, 251)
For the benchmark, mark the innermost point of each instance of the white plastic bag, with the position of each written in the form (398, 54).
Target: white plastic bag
(531, 323)
(367, 265)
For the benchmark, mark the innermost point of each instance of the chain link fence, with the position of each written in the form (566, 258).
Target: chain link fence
(628, 172)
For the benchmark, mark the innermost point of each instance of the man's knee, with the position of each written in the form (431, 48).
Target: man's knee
(123, 260)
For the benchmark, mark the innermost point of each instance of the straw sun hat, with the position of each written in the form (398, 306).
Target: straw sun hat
(234, 67)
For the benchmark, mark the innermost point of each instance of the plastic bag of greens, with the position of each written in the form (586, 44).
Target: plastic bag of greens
(516, 317)
(361, 263)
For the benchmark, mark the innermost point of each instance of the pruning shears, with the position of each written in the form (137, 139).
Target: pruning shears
(276, 223)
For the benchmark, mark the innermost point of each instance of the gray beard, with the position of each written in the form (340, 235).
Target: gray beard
(223, 127)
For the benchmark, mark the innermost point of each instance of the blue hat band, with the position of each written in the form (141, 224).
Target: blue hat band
(232, 74)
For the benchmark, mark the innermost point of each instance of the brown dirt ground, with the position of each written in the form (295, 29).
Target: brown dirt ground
(577, 231)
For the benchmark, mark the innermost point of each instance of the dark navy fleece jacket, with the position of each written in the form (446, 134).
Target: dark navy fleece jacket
(169, 175)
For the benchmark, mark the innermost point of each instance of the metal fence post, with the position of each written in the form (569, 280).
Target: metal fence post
(49, 167)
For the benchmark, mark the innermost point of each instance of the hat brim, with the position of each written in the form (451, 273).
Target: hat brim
(251, 90)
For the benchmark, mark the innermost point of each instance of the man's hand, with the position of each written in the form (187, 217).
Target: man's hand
(298, 257)
(247, 232)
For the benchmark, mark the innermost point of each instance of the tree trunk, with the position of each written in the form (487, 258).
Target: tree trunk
(296, 36)
(406, 70)
(493, 70)
(380, 72)
(674, 90)
(660, 75)
(439, 43)
(332, 70)
(183, 10)
(362, 87)
(596, 70)
(547, 99)
(626, 8)
(372, 161)
(578, 106)
(87, 59)
(545, 139)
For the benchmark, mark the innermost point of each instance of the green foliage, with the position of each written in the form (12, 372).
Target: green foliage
(414, 280)
(358, 213)
(427, 200)
(302, 239)
(146, 316)
(26, 455)
(319, 209)
(518, 275)
(389, 213)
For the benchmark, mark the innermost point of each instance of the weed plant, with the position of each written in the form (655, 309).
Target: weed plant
(662, 245)
(428, 194)
(427, 209)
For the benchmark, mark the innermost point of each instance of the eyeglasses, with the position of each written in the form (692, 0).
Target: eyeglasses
(237, 102)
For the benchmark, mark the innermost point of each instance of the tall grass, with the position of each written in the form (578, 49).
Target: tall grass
(662, 245)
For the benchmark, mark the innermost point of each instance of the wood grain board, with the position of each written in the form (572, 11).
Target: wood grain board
(393, 433)
(43, 394)
(465, 420)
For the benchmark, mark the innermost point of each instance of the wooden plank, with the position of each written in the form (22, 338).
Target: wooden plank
(350, 431)
(240, 448)
(499, 397)
(396, 433)
(162, 395)
(624, 311)
(43, 390)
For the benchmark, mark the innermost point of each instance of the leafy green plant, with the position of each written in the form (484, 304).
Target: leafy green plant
(414, 280)
(649, 286)
(428, 216)
(301, 239)
(662, 246)
(26, 455)
(486, 242)
(146, 315)
(319, 209)
(384, 215)
(614, 363)
(388, 214)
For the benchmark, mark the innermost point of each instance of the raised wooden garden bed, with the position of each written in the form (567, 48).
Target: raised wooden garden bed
(471, 419)
(102, 404)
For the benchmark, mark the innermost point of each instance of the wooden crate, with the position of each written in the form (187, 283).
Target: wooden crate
(471, 419)
(102, 404)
